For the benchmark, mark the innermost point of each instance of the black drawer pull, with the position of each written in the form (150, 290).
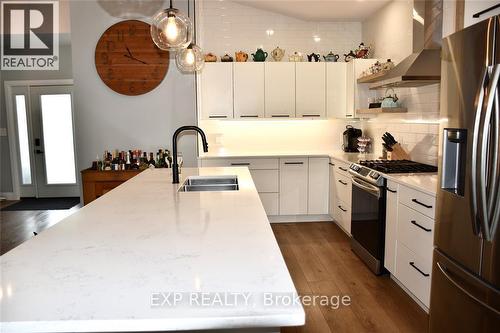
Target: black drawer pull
(331, 163)
(420, 203)
(412, 264)
(242, 163)
(420, 226)
(294, 163)
(311, 115)
(280, 116)
(342, 209)
(249, 116)
(217, 117)
(343, 169)
(342, 182)
(392, 191)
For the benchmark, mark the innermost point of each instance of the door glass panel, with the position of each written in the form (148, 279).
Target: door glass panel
(22, 132)
(57, 126)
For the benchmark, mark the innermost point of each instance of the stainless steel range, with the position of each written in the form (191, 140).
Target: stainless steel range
(368, 206)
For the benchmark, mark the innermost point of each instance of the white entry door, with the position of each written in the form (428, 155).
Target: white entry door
(45, 141)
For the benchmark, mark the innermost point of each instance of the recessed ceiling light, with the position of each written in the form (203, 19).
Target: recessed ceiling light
(317, 39)
(270, 32)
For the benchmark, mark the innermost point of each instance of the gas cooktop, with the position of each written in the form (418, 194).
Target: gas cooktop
(398, 166)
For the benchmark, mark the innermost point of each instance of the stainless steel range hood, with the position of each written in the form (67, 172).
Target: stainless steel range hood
(423, 66)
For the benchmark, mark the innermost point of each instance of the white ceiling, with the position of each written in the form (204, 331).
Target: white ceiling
(322, 10)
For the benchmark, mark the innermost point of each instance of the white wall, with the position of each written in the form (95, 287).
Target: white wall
(227, 27)
(107, 120)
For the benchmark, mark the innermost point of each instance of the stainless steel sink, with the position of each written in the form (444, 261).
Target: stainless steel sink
(210, 183)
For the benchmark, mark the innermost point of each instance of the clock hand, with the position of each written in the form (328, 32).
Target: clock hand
(128, 50)
(126, 55)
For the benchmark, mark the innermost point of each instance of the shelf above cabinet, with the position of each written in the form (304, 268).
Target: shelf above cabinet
(382, 110)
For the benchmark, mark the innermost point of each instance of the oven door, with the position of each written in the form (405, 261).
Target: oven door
(368, 216)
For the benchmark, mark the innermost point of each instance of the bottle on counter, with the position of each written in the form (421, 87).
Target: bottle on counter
(151, 161)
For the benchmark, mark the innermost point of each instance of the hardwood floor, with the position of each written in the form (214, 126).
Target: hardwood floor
(17, 227)
(320, 261)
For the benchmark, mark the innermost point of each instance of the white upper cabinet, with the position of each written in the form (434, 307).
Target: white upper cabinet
(310, 89)
(318, 185)
(357, 94)
(336, 89)
(280, 89)
(216, 80)
(248, 90)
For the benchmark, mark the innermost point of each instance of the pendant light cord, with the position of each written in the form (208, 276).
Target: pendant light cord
(171, 4)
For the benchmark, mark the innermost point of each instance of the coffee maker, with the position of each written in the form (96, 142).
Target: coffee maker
(351, 136)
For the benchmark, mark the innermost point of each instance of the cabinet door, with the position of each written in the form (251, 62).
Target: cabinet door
(280, 89)
(248, 90)
(216, 81)
(310, 89)
(318, 185)
(336, 89)
(293, 186)
(391, 226)
(331, 195)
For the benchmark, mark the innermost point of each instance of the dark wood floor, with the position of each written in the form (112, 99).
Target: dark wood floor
(320, 261)
(17, 227)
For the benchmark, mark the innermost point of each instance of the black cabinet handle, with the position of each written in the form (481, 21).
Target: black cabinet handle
(392, 191)
(421, 203)
(249, 116)
(217, 117)
(294, 163)
(343, 169)
(342, 182)
(38, 151)
(311, 115)
(331, 163)
(342, 209)
(236, 164)
(37, 142)
(280, 116)
(486, 10)
(420, 226)
(412, 264)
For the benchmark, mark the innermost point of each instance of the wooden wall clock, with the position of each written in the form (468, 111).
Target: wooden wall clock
(128, 61)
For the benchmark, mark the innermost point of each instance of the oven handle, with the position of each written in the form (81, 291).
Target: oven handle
(372, 189)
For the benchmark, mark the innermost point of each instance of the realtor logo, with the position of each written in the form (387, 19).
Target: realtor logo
(30, 35)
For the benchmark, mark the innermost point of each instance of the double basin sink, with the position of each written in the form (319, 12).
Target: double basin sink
(209, 183)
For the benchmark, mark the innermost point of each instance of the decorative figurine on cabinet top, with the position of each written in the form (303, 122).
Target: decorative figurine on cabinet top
(331, 57)
(313, 57)
(363, 51)
(349, 56)
(241, 56)
(277, 54)
(226, 58)
(296, 57)
(210, 57)
(259, 55)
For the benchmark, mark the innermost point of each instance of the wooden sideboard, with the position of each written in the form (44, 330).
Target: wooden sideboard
(96, 183)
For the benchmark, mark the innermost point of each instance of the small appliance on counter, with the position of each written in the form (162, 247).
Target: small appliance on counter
(351, 136)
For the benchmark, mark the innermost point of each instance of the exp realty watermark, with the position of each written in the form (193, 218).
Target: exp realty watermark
(30, 35)
(244, 299)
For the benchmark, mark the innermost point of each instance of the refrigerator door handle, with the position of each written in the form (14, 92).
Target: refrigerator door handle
(475, 149)
(444, 271)
(487, 201)
(496, 200)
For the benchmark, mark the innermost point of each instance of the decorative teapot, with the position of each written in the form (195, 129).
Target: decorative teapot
(362, 51)
(241, 56)
(331, 57)
(390, 101)
(277, 53)
(259, 55)
(296, 57)
(210, 57)
(226, 58)
(313, 57)
(349, 56)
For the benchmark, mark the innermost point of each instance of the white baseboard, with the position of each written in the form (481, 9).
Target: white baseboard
(8, 196)
(298, 218)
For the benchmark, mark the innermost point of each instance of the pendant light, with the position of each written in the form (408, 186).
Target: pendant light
(171, 30)
(190, 59)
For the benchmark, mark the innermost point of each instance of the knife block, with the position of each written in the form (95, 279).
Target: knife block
(397, 153)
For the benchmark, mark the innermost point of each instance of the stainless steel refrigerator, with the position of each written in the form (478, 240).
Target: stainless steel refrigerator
(465, 290)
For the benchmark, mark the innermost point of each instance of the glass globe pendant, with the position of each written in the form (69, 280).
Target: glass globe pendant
(190, 59)
(171, 30)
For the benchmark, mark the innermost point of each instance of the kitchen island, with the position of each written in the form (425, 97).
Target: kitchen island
(145, 257)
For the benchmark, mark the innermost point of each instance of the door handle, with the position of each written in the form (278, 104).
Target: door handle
(38, 151)
(342, 182)
(294, 163)
(343, 169)
(217, 117)
(37, 142)
(342, 209)
(249, 116)
(240, 164)
(420, 226)
(421, 203)
(412, 264)
(392, 191)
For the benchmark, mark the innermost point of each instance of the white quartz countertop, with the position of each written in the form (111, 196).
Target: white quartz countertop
(420, 181)
(113, 265)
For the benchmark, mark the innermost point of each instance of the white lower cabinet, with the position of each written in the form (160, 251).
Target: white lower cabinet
(391, 226)
(270, 201)
(293, 186)
(331, 189)
(318, 185)
(342, 215)
(340, 194)
(266, 181)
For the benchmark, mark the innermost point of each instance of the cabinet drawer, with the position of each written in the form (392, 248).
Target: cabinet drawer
(341, 167)
(266, 180)
(251, 163)
(342, 216)
(343, 187)
(416, 231)
(270, 201)
(414, 273)
(421, 202)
